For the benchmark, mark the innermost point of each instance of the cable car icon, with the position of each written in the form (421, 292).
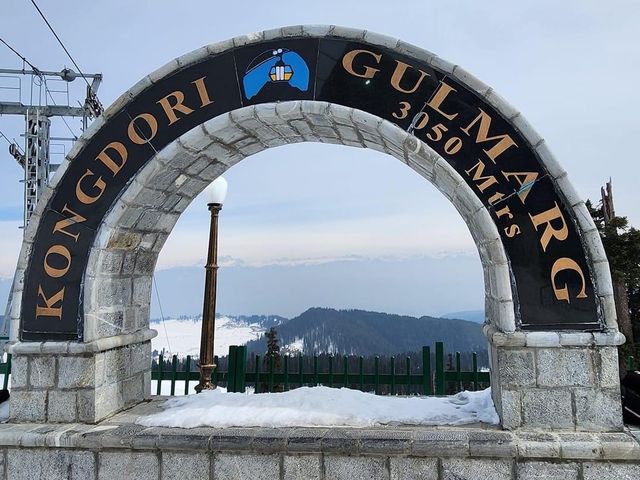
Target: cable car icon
(276, 66)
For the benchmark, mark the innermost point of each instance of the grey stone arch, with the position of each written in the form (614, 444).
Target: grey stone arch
(573, 372)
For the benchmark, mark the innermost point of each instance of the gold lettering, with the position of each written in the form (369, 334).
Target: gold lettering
(62, 224)
(505, 141)
(439, 97)
(49, 310)
(512, 230)
(496, 197)
(202, 92)
(549, 231)
(399, 72)
(57, 250)
(170, 110)
(120, 149)
(369, 72)
(478, 170)
(152, 123)
(525, 180)
(505, 211)
(85, 198)
(562, 293)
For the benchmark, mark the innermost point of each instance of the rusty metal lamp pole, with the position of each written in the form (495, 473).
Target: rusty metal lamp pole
(215, 194)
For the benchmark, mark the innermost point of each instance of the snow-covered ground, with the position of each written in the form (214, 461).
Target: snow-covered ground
(322, 406)
(184, 335)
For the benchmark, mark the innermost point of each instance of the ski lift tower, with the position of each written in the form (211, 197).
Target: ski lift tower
(35, 156)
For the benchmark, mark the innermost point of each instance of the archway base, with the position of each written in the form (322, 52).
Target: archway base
(556, 381)
(67, 382)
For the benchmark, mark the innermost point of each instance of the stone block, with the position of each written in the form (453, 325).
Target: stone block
(547, 409)
(598, 410)
(106, 400)
(76, 372)
(19, 371)
(468, 469)
(62, 407)
(42, 372)
(117, 364)
(28, 406)
(302, 467)
(86, 405)
(107, 323)
(562, 367)
(510, 409)
(516, 368)
(121, 465)
(355, 468)
(133, 389)
(610, 471)
(140, 357)
(50, 464)
(609, 373)
(547, 471)
(543, 339)
(185, 466)
(240, 467)
(435, 443)
(409, 468)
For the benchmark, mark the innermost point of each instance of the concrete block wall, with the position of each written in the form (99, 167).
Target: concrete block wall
(68, 385)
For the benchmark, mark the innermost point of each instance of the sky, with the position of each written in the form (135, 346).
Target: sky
(568, 66)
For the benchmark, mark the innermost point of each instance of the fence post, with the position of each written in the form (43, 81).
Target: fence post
(440, 383)
(426, 371)
(475, 371)
(257, 370)
(361, 370)
(407, 390)
(187, 368)
(7, 372)
(285, 388)
(160, 373)
(231, 369)
(376, 374)
(393, 375)
(174, 368)
(300, 369)
(241, 369)
(345, 362)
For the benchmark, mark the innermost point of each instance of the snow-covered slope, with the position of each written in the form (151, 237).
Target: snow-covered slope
(181, 336)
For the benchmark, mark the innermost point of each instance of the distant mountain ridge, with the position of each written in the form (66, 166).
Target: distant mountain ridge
(345, 332)
(471, 315)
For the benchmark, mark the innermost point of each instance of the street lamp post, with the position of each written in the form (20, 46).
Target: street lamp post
(215, 194)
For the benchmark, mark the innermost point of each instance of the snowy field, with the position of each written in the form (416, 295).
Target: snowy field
(322, 406)
(184, 335)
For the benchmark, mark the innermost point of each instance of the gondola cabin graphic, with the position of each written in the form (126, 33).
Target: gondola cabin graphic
(275, 66)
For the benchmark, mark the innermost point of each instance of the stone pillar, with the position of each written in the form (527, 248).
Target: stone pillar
(556, 381)
(67, 382)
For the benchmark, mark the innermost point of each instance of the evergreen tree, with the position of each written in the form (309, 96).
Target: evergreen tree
(273, 354)
(622, 245)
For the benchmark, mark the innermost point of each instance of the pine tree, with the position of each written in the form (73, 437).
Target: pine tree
(622, 245)
(273, 352)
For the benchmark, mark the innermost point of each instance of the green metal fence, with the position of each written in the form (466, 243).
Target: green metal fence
(394, 378)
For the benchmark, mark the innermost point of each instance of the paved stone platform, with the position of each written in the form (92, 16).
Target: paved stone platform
(118, 448)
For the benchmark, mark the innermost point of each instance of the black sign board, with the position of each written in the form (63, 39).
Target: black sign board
(552, 284)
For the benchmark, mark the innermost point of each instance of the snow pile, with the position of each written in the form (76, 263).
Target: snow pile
(321, 406)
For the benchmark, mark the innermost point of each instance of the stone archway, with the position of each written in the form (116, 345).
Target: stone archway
(82, 286)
